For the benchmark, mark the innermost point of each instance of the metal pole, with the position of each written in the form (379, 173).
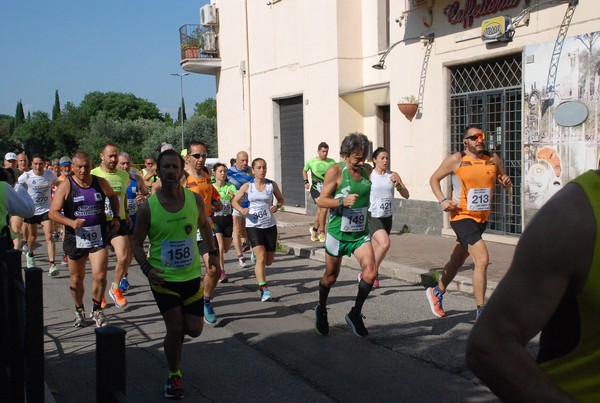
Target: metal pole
(34, 335)
(111, 369)
(182, 122)
(181, 75)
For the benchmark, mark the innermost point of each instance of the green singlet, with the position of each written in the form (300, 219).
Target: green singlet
(173, 239)
(118, 180)
(317, 168)
(351, 223)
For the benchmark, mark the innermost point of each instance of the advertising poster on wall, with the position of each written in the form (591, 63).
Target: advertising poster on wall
(561, 138)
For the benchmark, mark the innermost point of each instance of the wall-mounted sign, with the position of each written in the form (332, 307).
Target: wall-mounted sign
(571, 113)
(496, 30)
(475, 9)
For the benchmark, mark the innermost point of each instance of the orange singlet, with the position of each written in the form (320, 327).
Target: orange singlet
(204, 188)
(473, 187)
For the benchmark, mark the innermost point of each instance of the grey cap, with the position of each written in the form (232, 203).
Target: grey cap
(65, 161)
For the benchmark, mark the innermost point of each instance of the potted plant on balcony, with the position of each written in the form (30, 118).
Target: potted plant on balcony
(191, 44)
(408, 106)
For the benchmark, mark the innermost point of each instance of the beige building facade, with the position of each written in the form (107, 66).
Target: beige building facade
(293, 73)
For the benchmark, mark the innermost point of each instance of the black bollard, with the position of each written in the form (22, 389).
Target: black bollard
(110, 364)
(34, 335)
(16, 331)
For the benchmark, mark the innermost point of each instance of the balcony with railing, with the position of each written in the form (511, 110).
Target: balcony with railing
(199, 49)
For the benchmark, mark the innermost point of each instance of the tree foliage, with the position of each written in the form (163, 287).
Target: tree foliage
(208, 108)
(133, 124)
(56, 107)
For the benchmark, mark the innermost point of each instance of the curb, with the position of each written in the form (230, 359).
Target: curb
(410, 274)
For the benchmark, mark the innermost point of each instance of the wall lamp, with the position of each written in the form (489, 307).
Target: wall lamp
(426, 39)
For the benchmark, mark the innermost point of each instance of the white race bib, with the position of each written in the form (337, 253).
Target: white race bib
(226, 208)
(479, 199)
(354, 219)
(260, 215)
(177, 254)
(320, 186)
(383, 207)
(88, 237)
(132, 206)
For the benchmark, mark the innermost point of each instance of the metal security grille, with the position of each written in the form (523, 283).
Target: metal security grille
(291, 122)
(489, 94)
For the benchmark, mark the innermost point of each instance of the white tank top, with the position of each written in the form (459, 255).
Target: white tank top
(259, 215)
(382, 195)
(39, 188)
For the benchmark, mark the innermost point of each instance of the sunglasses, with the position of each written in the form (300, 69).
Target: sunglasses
(476, 136)
(199, 155)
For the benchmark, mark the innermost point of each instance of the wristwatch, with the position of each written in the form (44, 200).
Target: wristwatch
(341, 202)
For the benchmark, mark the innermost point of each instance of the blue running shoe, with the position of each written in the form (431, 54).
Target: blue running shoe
(265, 295)
(210, 317)
(124, 285)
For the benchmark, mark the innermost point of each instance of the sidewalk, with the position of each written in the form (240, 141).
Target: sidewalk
(411, 257)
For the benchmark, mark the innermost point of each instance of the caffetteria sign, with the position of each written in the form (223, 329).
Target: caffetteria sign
(496, 29)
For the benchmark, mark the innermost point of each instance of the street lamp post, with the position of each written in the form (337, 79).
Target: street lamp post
(181, 75)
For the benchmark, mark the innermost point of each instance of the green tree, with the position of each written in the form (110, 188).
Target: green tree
(56, 107)
(203, 128)
(6, 128)
(118, 105)
(19, 114)
(208, 108)
(179, 114)
(33, 137)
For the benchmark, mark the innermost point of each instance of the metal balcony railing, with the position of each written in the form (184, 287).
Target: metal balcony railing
(198, 42)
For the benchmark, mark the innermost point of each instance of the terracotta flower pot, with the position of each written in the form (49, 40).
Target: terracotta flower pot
(408, 109)
(190, 53)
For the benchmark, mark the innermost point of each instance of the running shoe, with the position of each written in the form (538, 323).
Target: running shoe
(355, 321)
(245, 247)
(253, 257)
(79, 318)
(321, 322)
(124, 284)
(435, 303)
(56, 236)
(25, 248)
(65, 261)
(479, 312)
(103, 302)
(265, 295)
(313, 234)
(99, 318)
(242, 262)
(117, 295)
(210, 317)
(53, 271)
(375, 282)
(322, 237)
(223, 277)
(30, 260)
(174, 387)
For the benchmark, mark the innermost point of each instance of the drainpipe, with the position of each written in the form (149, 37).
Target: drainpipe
(248, 79)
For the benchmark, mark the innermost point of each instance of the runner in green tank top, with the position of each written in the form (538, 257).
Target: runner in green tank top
(169, 219)
(551, 286)
(346, 192)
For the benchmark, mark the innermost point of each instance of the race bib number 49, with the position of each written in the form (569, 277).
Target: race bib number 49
(479, 199)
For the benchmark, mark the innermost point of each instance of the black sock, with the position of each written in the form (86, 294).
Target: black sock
(364, 289)
(323, 295)
(96, 305)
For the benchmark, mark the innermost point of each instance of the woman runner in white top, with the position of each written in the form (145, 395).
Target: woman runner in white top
(383, 182)
(261, 226)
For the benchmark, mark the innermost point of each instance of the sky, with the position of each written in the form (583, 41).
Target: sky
(81, 46)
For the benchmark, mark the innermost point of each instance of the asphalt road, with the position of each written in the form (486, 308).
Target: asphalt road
(269, 351)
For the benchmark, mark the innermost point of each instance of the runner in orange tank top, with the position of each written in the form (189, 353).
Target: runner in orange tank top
(198, 181)
(474, 172)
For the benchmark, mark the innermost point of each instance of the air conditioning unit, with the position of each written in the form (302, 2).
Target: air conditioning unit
(208, 15)
(412, 4)
(210, 42)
